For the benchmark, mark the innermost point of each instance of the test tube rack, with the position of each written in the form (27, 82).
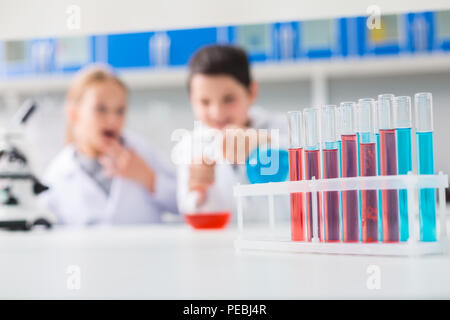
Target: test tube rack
(410, 182)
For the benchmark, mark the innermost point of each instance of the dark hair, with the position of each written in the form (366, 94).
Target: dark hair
(221, 60)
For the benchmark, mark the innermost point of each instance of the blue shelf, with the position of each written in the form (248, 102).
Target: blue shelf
(326, 39)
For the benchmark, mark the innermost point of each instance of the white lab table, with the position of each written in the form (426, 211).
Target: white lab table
(176, 262)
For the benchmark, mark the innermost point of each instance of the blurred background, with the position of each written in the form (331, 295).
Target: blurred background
(297, 63)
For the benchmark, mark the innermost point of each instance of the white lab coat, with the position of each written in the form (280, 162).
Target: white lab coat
(220, 195)
(76, 199)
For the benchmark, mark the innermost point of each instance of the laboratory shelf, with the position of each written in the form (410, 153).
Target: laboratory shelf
(354, 67)
(263, 72)
(135, 78)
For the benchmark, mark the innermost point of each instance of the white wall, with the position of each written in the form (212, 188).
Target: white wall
(43, 18)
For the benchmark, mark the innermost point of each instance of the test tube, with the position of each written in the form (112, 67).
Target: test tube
(339, 143)
(312, 165)
(338, 137)
(349, 159)
(388, 163)
(368, 167)
(295, 126)
(377, 138)
(403, 124)
(425, 164)
(330, 156)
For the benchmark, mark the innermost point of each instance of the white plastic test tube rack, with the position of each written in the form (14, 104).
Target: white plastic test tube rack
(410, 182)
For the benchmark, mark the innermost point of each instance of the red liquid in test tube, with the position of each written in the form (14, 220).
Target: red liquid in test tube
(389, 198)
(295, 125)
(369, 199)
(330, 158)
(312, 170)
(388, 166)
(331, 198)
(366, 116)
(297, 209)
(349, 165)
(349, 198)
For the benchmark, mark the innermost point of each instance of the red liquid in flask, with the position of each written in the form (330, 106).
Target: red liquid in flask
(389, 198)
(210, 220)
(331, 198)
(369, 201)
(349, 158)
(312, 169)
(297, 211)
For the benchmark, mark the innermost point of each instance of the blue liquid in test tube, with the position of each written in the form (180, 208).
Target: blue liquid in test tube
(403, 124)
(425, 164)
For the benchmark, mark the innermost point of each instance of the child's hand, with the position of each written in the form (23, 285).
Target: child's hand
(238, 142)
(201, 177)
(118, 160)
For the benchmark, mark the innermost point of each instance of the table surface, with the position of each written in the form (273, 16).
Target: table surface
(176, 262)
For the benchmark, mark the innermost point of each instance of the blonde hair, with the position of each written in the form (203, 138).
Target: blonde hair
(88, 76)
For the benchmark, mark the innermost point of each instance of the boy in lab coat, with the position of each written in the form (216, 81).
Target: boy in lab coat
(210, 159)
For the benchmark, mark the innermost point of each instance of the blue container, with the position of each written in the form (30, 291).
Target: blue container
(420, 30)
(267, 165)
(42, 55)
(286, 41)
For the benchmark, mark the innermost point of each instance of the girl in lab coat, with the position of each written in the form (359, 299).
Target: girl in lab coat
(222, 95)
(102, 175)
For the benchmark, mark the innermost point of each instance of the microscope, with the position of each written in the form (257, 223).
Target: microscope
(19, 187)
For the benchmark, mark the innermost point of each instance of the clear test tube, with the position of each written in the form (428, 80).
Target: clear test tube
(296, 133)
(425, 164)
(338, 136)
(312, 165)
(366, 114)
(339, 143)
(330, 158)
(377, 138)
(403, 124)
(349, 164)
(388, 164)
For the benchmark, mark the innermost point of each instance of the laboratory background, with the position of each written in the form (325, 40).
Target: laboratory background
(297, 63)
(323, 55)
